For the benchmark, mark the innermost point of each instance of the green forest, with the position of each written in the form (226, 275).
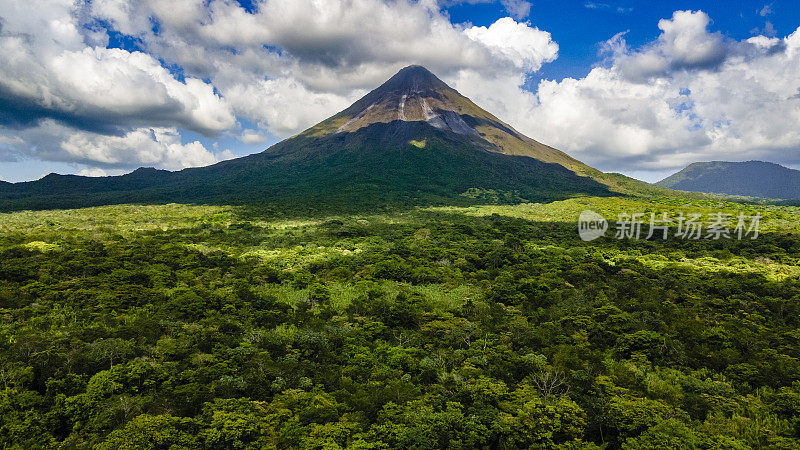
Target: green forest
(190, 326)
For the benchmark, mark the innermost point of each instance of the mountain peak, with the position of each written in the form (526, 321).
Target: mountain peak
(412, 79)
(416, 104)
(415, 69)
(413, 94)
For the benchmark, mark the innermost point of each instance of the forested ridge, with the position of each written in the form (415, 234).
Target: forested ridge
(179, 326)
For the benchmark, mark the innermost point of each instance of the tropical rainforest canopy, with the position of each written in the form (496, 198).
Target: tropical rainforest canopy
(178, 326)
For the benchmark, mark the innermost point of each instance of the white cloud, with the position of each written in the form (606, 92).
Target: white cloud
(299, 61)
(126, 15)
(702, 99)
(684, 43)
(605, 119)
(131, 87)
(152, 147)
(283, 106)
(339, 34)
(252, 137)
(49, 70)
(98, 172)
(156, 147)
(685, 39)
(525, 47)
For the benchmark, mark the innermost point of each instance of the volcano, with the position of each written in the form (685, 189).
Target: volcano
(412, 140)
(415, 96)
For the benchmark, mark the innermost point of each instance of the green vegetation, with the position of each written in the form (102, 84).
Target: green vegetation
(363, 170)
(179, 326)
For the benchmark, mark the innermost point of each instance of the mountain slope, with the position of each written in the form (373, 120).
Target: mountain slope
(748, 178)
(412, 140)
(416, 95)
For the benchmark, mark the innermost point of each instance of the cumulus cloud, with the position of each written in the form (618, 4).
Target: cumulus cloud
(684, 44)
(686, 97)
(525, 47)
(98, 172)
(252, 137)
(152, 147)
(283, 106)
(300, 36)
(158, 147)
(49, 71)
(290, 63)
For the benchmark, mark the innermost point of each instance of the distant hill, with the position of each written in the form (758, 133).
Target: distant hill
(412, 140)
(748, 178)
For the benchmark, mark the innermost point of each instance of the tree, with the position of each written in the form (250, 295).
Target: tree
(154, 432)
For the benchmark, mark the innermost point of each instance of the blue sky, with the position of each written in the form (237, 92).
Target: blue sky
(578, 26)
(136, 84)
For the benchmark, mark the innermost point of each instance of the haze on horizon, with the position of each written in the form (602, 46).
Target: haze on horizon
(106, 86)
